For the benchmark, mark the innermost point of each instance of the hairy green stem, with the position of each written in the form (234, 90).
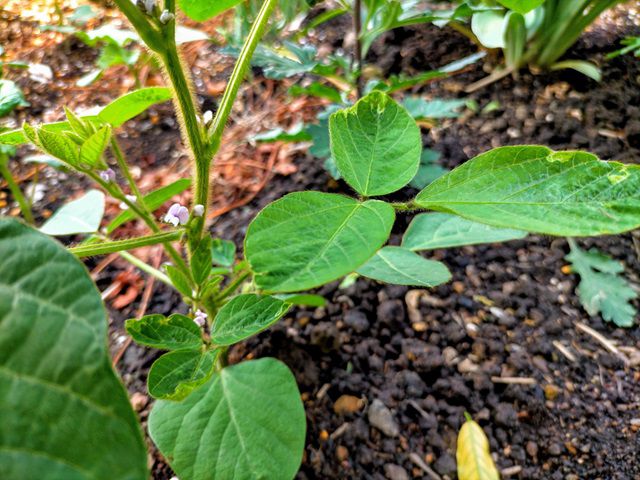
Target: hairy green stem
(357, 30)
(126, 171)
(25, 208)
(127, 244)
(145, 29)
(233, 286)
(145, 267)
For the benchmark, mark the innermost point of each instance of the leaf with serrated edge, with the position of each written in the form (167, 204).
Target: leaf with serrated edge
(537, 190)
(473, 455)
(307, 239)
(247, 422)
(176, 374)
(92, 149)
(165, 333)
(400, 266)
(428, 231)
(376, 145)
(244, 316)
(65, 413)
(82, 215)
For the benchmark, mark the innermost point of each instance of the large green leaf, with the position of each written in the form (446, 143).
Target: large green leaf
(489, 27)
(521, 6)
(537, 190)
(82, 215)
(201, 10)
(166, 333)
(65, 415)
(376, 145)
(441, 230)
(400, 266)
(244, 316)
(307, 239)
(176, 374)
(247, 422)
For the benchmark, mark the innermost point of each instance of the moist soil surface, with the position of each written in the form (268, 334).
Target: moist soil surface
(501, 341)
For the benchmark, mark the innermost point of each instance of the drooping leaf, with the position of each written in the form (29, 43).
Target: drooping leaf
(133, 104)
(176, 332)
(201, 10)
(176, 374)
(223, 252)
(534, 189)
(67, 416)
(473, 455)
(428, 231)
(306, 239)
(152, 201)
(247, 422)
(401, 266)
(602, 289)
(82, 215)
(376, 145)
(11, 97)
(582, 66)
(244, 316)
(521, 6)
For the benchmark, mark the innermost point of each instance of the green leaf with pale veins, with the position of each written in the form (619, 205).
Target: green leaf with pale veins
(400, 266)
(244, 316)
(93, 148)
(428, 231)
(82, 215)
(247, 422)
(602, 289)
(176, 374)
(534, 189)
(376, 145)
(307, 239)
(175, 332)
(65, 413)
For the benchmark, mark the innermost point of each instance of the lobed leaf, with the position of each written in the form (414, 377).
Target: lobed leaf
(175, 332)
(176, 374)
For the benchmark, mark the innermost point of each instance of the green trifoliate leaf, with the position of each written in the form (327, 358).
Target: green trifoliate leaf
(307, 239)
(177, 332)
(132, 104)
(223, 252)
(10, 97)
(59, 145)
(201, 10)
(376, 145)
(176, 374)
(400, 266)
(247, 422)
(82, 215)
(65, 413)
(244, 316)
(602, 288)
(93, 148)
(537, 190)
(521, 6)
(428, 231)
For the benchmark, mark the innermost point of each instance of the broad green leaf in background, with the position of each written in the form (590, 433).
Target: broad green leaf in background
(201, 10)
(317, 89)
(401, 266)
(602, 287)
(428, 170)
(223, 252)
(489, 27)
(247, 422)
(534, 189)
(473, 455)
(152, 201)
(428, 231)
(521, 6)
(82, 215)
(515, 38)
(304, 299)
(297, 133)
(244, 316)
(65, 413)
(175, 332)
(307, 239)
(421, 108)
(376, 145)
(10, 97)
(176, 374)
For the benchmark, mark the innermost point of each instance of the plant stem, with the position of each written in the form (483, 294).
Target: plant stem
(147, 32)
(145, 267)
(233, 286)
(124, 167)
(357, 28)
(128, 244)
(25, 208)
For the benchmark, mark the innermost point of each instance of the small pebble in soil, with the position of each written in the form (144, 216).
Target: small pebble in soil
(395, 472)
(347, 404)
(381, 417)
(445, 465)
(357, 320)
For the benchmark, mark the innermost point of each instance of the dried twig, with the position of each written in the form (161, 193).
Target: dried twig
(565, 351)
(515, 380)
(606, 343)
(415, 458)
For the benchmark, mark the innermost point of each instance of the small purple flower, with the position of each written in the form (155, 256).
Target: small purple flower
(200, 318)
(177, 215)
(108, 175)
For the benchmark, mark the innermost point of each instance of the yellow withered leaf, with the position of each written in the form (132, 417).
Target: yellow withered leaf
(473, 455)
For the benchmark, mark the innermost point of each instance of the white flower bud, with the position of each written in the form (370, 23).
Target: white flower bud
(166, 17)
(149, 5)
(198, 210)
(207, 117)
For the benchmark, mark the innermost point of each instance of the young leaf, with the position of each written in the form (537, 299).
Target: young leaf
(176, 374)
(376, 145)
(235, 420)
(602, 288)
(92, 149)
(201, 261)
(307, 239)
(400, 266)
(428, 231)
(179, 280)
(59, 146)
(201, 10)
(82, 215)
(177, 332)
(55, 369)
(537, 190)
(244, 316)
(473, 454)
(223, 252)
(132, 104)
(521, 6)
